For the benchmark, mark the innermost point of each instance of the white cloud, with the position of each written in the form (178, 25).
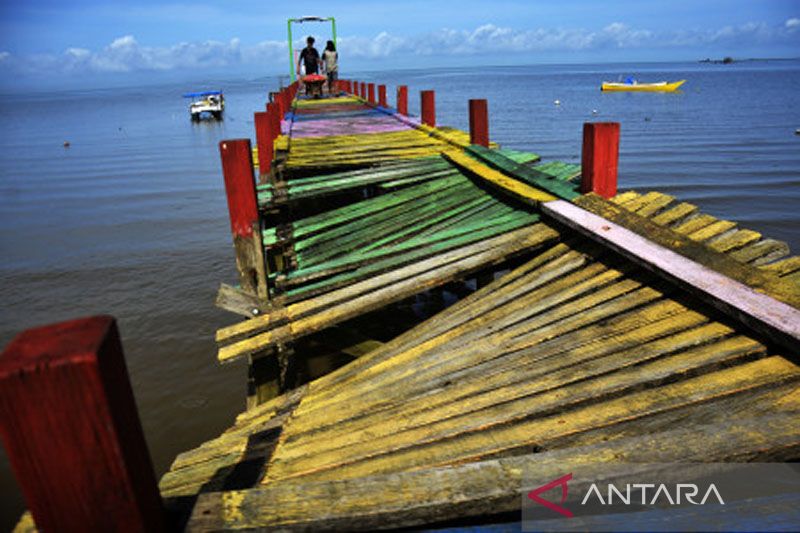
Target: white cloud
(126, 54)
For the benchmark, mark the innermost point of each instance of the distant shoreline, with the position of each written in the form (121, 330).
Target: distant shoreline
(729, 60)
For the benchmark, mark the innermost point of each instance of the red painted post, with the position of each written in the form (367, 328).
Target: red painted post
(263, 141)
(289, 99)
(599, 158)
(72, 432)
(479, 122)
(274, 121)
(278, 100)
(240, 188)
(402, 100)
(371, 93)
(363, 90)
(428, 106)
(382, 96)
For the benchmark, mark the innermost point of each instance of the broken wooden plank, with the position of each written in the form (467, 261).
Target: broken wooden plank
(726, 284)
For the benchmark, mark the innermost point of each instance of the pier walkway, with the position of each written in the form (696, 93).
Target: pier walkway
(577, 354)
(606, 327)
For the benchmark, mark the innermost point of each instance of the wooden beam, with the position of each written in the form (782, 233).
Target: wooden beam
(72, 432)
(263, 141)
(498, 180)
(716, 279)
(240, 188)
(371, 93)
(237, 301)
(424, 496)
(599, 158)
(402, 100)
(479, 122)
(382, 96)
(428, 108)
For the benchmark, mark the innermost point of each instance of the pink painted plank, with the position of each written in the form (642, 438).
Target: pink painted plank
(323, 127)
(771, 317)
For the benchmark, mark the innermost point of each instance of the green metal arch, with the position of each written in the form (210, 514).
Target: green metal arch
(300, 21)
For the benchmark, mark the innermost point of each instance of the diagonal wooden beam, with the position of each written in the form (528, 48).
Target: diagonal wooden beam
(758, 299)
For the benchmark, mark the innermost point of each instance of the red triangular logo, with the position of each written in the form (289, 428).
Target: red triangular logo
(534, 495)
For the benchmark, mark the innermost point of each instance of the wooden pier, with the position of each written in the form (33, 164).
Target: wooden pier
(605, 326)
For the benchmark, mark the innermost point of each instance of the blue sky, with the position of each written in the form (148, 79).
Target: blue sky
(88, 41)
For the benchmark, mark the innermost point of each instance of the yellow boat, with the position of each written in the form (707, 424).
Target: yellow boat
(663, 86)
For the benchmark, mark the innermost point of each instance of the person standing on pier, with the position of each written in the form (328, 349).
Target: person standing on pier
(330, 58)
(309, 57)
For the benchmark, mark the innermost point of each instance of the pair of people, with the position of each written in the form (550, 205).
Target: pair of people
(312, 61)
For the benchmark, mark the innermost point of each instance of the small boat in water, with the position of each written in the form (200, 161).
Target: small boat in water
(633, 85)
(211, 102)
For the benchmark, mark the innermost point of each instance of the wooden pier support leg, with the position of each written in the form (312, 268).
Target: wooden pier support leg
(599, 158)
(263, 378)
(382, 96)
(281, 105)
(275, 122)
(371, 93)
(402, 100)
(479, 122)
(72, 432)
(240, 188)
(428, 107)
(264, 143)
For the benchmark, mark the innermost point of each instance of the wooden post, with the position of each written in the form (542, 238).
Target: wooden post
(264, 141)
(72, 432)
(280, 103)
(371, 93)
(382, 96)
(428, 106)
(599, 158)
(275, 121)
(363, 90)
(402, 100)
(479, 122)
(289, 99)
(240, 187)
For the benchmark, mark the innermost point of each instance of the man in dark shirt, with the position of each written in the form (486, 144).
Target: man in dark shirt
(309, 57)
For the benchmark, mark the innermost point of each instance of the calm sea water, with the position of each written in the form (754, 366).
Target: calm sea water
(131, 219)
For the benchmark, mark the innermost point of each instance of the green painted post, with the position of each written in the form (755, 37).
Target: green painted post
(333, 31)
(291, 52)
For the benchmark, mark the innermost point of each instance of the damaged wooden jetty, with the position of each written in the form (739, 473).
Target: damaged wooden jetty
(606, 327)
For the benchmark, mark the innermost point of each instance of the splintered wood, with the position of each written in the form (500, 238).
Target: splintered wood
(577, 356)
(580, 355)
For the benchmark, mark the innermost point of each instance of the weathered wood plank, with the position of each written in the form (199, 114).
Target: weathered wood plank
(419, 497)
(403, 283)
(728, 285)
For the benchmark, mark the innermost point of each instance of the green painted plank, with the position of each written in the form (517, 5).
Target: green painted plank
(465, 233)
(358, 210)
(384, 225)
(524, 173)
(393, 258)
(519, 156)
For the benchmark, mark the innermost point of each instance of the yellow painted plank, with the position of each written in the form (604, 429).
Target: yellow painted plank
(498, 179)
